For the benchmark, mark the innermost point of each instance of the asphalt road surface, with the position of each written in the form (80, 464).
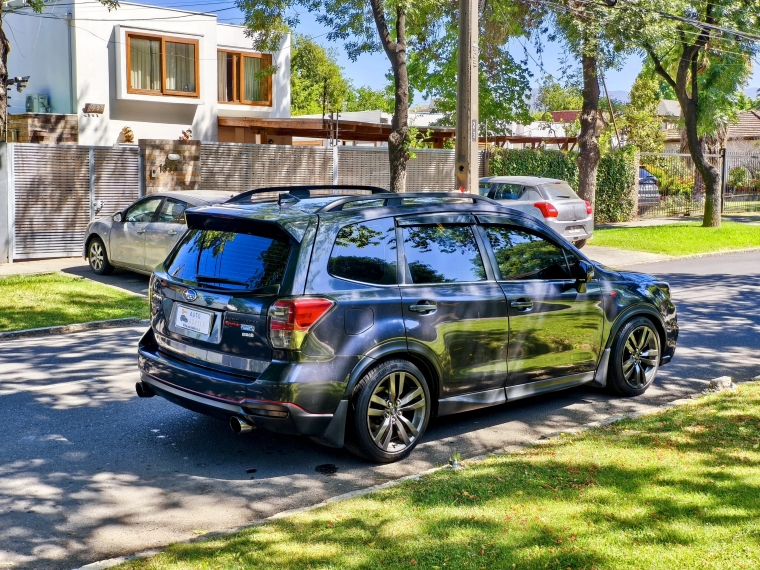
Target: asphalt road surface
(88, 471)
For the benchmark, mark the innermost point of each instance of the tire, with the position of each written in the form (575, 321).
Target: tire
(580, 243)
(635, 357)
(378, 428)
(98, 257)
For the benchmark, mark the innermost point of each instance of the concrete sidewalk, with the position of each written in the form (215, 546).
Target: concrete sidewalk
(748, 218)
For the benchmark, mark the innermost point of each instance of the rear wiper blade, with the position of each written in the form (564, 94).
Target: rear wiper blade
(212, 279)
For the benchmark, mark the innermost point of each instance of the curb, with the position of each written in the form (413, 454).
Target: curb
(679, 257)
(545, 438)
(79, 327)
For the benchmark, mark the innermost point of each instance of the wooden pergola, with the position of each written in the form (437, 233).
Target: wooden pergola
(321, 129)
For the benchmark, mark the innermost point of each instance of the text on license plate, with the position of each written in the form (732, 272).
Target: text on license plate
(575, 229)
(193, 319)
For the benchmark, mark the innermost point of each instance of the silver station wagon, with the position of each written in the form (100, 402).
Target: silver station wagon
(141, 236)
(548, 199)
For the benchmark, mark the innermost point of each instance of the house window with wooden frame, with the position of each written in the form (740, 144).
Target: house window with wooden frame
(240, 78)
(158, 65)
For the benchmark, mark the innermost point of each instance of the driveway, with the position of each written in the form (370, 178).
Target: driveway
(88, 471)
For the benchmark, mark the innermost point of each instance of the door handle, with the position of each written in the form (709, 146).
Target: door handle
(524, 305)
(172, 232)
(140, 232)
(423, 307)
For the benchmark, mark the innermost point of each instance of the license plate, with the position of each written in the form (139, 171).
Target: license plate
(575, 230)
(193, 319)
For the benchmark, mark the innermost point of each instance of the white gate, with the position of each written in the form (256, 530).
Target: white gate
(57, 190)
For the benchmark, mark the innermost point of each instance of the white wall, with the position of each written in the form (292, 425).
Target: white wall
(40, 48)
(98, 50)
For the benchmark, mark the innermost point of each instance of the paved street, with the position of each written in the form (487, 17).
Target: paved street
(89, 471)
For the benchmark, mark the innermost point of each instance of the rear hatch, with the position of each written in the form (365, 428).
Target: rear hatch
(209, 301)
(570, 208)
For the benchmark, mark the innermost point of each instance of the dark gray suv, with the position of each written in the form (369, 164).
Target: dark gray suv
(355, 318)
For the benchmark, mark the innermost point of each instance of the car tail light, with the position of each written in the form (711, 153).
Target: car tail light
(589, 209)
(291, 319)
(547, 209)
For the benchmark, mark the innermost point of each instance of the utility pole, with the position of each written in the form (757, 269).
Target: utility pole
(467, 98)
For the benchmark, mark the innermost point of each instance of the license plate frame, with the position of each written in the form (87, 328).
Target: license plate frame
(194, 320)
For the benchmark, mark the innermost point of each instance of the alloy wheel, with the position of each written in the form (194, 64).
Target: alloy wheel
(397, 411)
(96, 256)
(641, 357)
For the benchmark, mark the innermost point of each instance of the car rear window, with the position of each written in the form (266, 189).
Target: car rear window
(228, 260)
(558, 191)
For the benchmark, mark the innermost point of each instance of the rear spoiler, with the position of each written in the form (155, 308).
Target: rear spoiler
(215, 219)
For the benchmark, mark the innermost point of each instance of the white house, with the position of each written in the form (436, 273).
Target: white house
(158, 71)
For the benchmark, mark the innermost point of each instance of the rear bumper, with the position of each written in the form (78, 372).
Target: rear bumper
(188, 385)
(573, 231)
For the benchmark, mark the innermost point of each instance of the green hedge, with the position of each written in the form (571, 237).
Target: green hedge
(616, 177)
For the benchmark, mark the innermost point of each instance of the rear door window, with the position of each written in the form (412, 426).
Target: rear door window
(508, 191)
(228, 260)
(172, 212)
(366, 253)
(442, 254)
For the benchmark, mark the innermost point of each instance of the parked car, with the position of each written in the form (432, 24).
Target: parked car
(355, 319)
(649, 192)
(550, 200)
(142, 235)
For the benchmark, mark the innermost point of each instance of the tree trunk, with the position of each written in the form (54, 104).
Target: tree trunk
(5, 48)
(588, 139)
(707, 171)
(398, 141)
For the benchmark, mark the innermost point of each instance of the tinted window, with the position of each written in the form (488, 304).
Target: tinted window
(172, 212)
(522, 255)
(143, 211)
(530, 194)
(442, 254)
(558, 191)
(365, 252)
(228, 260)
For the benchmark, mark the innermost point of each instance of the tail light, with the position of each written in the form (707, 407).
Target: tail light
(291, 319)
(589, 209)
(547, 209)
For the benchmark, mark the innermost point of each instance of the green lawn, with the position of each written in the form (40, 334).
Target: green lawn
(680, 489)
(33, 301)
(680, 239)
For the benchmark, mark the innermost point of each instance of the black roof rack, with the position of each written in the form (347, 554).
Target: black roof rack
(307, 191)
(395, 199)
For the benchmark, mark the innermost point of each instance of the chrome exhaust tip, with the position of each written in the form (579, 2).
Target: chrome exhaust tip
(240, 425)
(144, 391)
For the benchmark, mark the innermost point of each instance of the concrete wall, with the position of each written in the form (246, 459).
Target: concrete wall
(97, 73)
(41, 49)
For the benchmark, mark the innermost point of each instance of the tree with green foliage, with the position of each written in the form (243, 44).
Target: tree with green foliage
(363, 27)
(553, 96)
(5, 48)
(703, 50)
(639, 121)
(368, 99)
(503, 82)
(317, 83)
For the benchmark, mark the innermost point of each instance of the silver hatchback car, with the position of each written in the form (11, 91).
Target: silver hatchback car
(548, 199)
(141, 236)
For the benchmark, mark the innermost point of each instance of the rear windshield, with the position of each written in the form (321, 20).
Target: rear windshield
(558, 191)
(228, 260)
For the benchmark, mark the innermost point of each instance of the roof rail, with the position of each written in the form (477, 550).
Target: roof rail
(389, 200)
(305, 191)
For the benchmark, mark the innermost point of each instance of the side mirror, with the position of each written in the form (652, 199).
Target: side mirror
(584, 272)
(116, 217)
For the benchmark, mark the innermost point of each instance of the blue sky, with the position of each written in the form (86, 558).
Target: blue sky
(370, 69)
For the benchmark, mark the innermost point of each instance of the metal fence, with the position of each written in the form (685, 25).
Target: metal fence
(742, 188)
(670, 185)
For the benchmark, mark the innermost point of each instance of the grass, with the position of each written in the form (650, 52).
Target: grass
(680, 239)
(680, 489)
(34, 301)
